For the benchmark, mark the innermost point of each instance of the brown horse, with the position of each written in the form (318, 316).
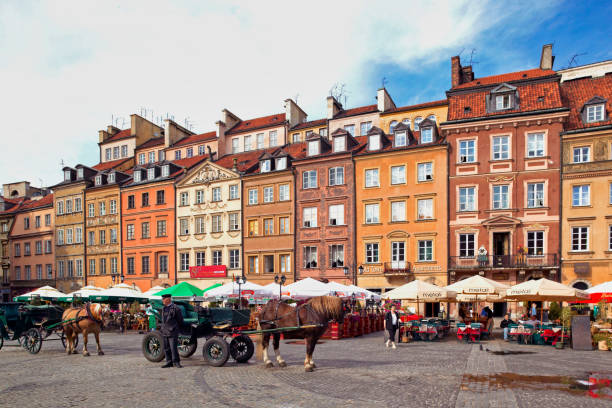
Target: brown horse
(314, 314)
(84, 319)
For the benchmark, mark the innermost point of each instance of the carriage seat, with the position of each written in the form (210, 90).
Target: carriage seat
(11, 310)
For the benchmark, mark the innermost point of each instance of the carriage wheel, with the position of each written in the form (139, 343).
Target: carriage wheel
(186, 348)
(33, 341)
(65, 340)
(216, 351)
(242, 348)
(152, 347)
(1, 342)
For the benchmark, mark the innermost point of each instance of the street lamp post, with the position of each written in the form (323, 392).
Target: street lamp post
(354, 275)
(240, 280)
(280, 281)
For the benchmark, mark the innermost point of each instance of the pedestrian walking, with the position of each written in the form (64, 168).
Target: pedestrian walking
(391, 325)
(171, 321)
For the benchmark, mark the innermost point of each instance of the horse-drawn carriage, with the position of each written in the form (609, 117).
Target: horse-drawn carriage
(216, 325)
(30, 325)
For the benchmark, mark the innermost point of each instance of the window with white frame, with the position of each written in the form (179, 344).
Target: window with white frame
(79, 267)
(60, 239)
(162, 157)
(253, 196)
(200, 225)
(313, 147)
(427, 135)
(285, 263)
(235, 145)
(283, 192)
(296, 138)
(137, 175)
(130, 232)
(371, 178)
(91, 210)
(350, 129)
(365, 128)
(392, 126)
(336, 214)
(234, 221)
(310, 217)
(595, 113)
(247, 143)
(425, 171)
(281, 163)
(400, 139)
(268, 193)
(467, 245)
(501, 147)
(273, 138)
(467, 199)
(535, 145)
(217, 223)
(68, 206)
(253, 264)
(115, 152)
(201, 150)
(113, 207)
(200, 258)
(266, 166)
(339, 144)
(309, 179)
(580, 238)
(417, 122)
(233, 192)
(102, 208)
(425, 209)
(372, 252)
(108, 153)
(165, 170)
(184, 198)
(234, 258)
(111, 178)
(535, 195)
(372, 214)
(425, 250)
(77, 204)
(535, 243)
(336, 256)
(398, 211)
(503, 102)
(260, 141)
(374, 142)
(398, 174)
(581, 195)
(98, 180)
(216, 194)
(268, 226)
(184, 262)
(141, 158)
(582, 154)
(113, 235)
(336, 176)
(310, 257)
(199, 196)
(60, 207)
(467, 151)
(500, 197)
(184, 226)
(69, 236)
(398, 254)
(151, 157)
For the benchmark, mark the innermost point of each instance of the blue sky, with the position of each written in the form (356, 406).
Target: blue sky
(68, 67)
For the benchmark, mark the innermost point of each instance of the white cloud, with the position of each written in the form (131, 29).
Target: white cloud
(67, 66)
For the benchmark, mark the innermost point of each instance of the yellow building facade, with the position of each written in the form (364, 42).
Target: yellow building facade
(409, 115)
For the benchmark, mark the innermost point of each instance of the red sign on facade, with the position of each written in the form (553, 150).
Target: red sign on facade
(214, 271)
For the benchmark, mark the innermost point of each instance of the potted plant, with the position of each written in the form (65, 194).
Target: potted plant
(566, 315)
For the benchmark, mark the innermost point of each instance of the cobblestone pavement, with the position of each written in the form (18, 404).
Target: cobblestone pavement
(352, 372)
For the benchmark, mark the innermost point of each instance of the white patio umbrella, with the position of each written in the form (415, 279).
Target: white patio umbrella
(44, 292)
(364, 293)
(478, 287)
(274, 289)
(339, 289)
(230, 289)
(306, 288)
(605, 287)
(421, 292)
(545, 290)
(84, 293)
(151, 292)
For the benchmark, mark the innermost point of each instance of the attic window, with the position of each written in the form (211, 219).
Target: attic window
(151, 173)
(595, 113)
(339, 144)
(165, 170)
(313, 147)
(467, 109)
(281, 163)
(111, 178)
(80, 173)
(265, 166)
(427, 135)
(503, 102)
(374, 142)
(98, 180)
(67, 175)
(400, 139)
(137, 176)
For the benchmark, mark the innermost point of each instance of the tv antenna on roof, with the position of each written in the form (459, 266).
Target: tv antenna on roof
(472, 53)
(62, 163)
(383, 82)
(574, 59)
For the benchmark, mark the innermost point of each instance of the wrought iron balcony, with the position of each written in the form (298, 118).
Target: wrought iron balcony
(516, 261)
(397, 268)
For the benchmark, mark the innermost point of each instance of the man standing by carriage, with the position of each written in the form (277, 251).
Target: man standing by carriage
(171, 321)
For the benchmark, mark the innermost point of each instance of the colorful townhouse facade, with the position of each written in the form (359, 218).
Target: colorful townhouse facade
(31, 236)
(209, 225)
(587, 176)
(268, 191)
(504, 177)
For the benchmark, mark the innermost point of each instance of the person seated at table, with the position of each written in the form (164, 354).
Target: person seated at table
(462, 313)
(505, 325)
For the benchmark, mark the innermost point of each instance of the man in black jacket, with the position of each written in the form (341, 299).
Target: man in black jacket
(504, 325)
(171, 321)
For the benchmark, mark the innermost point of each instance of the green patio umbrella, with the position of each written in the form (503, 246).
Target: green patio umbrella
(182, 290)
(216, 285)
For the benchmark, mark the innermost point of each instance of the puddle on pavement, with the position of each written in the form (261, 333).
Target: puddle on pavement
(302, 342)
(509, 352)
(595, 385)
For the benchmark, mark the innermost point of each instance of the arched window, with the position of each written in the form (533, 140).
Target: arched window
(580, 285)
(417, 120)
(432, 118)
(392, 126)
(406, 122)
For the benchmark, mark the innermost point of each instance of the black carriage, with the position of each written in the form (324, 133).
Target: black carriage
(30, 325)
(217, 325)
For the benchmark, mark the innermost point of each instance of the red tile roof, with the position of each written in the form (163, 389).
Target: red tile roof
(110, 164)
(357, 111)
(33, 204)
(312, 123)
(578, 91)
(532, 97)
(509, 77)
(204, 137)
(418, 106)
(156, 141)
(123, 134)
(17, 205)
(258, 123)
(244, 161)
(190, 161)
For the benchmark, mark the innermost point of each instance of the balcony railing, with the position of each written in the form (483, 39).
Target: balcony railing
(397, 268)
(504, 261)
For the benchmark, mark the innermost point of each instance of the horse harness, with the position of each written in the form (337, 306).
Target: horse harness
(75, 322)
(297, 314)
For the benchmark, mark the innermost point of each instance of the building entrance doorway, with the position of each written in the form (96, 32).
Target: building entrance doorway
(501, 249)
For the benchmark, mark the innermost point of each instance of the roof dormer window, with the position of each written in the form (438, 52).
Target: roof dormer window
(400, 139)
(374, 142)
(339, 144)
(111, 178)
(595, 113)
(313, 147)
(137, 175)
(165, 170)
(98, 180)
(67, 175)
(503, 102)
(426, 135)
(80, 173)
(266, 166)
(151, 173)
(281, 163)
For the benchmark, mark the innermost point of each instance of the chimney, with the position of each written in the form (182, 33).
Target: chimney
(293, 113)
(210, 153)
(385, 102)
(229, 119)
(333, 107)
(547, 59)
(221, 128)
(112, 130)
(455, 71)
(466, 74)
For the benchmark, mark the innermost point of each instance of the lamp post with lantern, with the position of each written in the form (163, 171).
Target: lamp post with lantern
(280, 281)
(354, 274)
(240, 280)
